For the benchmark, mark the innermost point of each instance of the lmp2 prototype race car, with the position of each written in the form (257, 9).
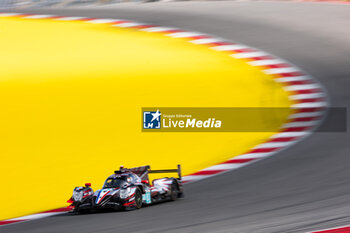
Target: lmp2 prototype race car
(128, 189)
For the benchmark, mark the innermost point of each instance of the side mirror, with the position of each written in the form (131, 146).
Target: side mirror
(87, 184)
(145, 182)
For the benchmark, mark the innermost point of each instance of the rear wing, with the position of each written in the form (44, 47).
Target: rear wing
(178, 171)
(143, 171)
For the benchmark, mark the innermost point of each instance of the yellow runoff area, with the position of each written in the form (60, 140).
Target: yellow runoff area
(71, 97)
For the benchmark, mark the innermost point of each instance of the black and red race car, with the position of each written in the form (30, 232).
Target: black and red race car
(128, 189)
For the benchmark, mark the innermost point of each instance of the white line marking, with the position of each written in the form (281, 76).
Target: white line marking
(38, 16)
(267, 62)
(129, 24)
(253, 155)
(299, 124)
(273, 145)
(97, 21)
(158, 29)
(195, 177)
(226, 166)
(206, 41)
(229, 47)
(249, 55)
(307, 96)
(302, 87)
(185, 34)
(281, 70)
(291, 79)
(70, 18)
(37, 216)
(290, 134)
(310, 105)
(305, 114)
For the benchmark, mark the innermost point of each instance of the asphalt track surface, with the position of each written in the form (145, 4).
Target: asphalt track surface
(304, 188)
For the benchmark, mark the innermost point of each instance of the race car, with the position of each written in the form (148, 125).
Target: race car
(128, 189)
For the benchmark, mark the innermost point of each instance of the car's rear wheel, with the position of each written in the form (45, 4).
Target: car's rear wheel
(138, 198)
(173, 192)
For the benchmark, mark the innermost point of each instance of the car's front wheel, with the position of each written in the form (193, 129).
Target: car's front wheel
(138, 198)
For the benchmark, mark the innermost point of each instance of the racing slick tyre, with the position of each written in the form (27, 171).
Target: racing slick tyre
(138, 199)
(173, 192)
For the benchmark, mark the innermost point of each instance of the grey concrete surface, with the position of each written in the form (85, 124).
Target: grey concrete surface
(304, 188)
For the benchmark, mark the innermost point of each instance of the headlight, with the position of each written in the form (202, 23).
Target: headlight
(77, 196)
(124, 193)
